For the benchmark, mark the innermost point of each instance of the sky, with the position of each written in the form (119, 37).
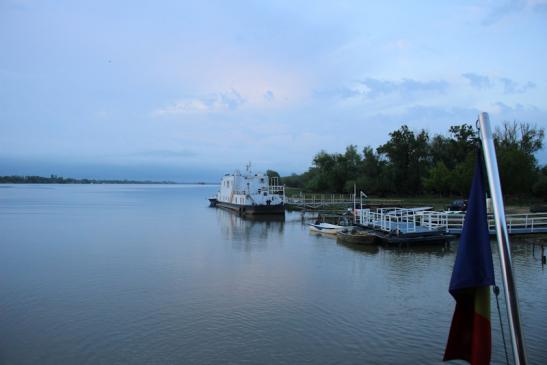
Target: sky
(190, 90)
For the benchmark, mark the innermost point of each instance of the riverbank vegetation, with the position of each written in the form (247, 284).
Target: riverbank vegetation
(414, 163)
(54, 179)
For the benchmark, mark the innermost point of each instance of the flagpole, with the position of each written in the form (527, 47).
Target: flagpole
(489, 151)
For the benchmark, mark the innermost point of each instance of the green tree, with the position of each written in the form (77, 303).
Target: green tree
(408, 154)
(294, 180)
(516, 145)
(412, 163)
(439, 179)
(540, 187)
(272, 173)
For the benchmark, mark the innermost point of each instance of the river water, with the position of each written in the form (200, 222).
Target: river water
(149, 274)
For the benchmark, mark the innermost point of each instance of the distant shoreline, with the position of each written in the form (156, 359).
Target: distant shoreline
(53, 179)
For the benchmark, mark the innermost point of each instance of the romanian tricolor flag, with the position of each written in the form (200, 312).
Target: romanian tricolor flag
(470, 334)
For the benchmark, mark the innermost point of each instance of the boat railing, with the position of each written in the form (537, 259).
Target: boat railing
(274, 187)
(277, 189)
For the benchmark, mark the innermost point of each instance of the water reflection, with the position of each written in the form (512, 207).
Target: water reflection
(427, 250)
(253, 232)
(369, 250)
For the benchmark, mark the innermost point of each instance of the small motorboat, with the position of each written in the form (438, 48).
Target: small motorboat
(361, 237)
(326, 228)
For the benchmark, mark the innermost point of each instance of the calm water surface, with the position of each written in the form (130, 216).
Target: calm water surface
(110, 274)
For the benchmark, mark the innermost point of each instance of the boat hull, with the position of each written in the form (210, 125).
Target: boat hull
(361, 238)
(330, 229)
(252, 209)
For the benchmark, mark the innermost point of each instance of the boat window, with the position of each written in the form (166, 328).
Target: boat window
(265, 193)
(262, 180)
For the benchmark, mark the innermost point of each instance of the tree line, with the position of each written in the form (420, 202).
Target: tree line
(414, 163)
(54, 179)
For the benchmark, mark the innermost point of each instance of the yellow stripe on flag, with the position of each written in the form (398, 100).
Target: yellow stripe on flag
(482, 301)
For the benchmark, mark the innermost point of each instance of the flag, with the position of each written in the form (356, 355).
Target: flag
(473, 274)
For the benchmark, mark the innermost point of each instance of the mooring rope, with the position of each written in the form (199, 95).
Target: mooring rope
(497, 293)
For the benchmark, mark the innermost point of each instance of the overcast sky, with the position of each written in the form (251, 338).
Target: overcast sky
(190, 90)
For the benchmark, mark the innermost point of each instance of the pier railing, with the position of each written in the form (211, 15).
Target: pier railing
(389, 219)
(516, 223)
(409, 221)
(317, 201)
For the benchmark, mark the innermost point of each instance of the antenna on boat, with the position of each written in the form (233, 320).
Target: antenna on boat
(248, 166)
(489, 151)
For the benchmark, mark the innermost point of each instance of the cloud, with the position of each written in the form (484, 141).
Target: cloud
(436, 114)
(512, 87)
(503, 108)
(478, 81)
(339, 93)
(510, 7)
(166, 153)
(371, 88)
(504, 9)
(211, 103)
(376, 87)
(540, 7)
(269, 95)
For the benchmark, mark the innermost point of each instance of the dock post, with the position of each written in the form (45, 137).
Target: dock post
(489, 151)
(543, 258)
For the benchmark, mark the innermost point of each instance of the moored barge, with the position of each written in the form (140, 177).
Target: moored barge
(250, 193)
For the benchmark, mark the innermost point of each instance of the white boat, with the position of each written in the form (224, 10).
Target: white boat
(250, 193)
(326, 228)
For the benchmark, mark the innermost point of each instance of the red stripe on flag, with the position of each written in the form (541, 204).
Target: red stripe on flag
(469, 337)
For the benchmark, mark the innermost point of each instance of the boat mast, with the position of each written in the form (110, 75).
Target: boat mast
(489, 151)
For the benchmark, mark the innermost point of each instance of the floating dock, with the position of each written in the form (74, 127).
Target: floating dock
(401, 227)
(402, 224)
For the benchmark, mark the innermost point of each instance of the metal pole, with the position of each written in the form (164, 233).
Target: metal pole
(354, 203)
(517, 339)
(361, 208)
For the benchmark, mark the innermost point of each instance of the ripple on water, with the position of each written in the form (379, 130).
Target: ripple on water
(151, 275)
